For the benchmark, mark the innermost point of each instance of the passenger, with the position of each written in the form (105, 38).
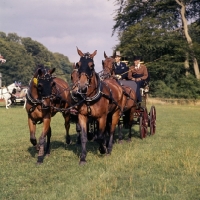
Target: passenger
(120, 68)
(138, 73)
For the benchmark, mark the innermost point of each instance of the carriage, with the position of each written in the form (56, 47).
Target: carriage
(20, 97)
(99, 105)
(143, 118)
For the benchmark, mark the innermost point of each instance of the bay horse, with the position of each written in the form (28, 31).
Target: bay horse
(101, 100)
(46, 96)
(128, 94)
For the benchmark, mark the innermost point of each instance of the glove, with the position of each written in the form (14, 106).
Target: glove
(118, 76)
(138, 79)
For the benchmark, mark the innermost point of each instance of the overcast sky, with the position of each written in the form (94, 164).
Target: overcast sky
(61, 25)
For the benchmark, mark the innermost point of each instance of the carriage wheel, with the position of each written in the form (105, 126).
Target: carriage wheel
(143, 124)
(152, 120)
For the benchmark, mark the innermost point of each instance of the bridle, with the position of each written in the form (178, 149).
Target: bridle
(85, 67)
(41, 83)
(108, 69)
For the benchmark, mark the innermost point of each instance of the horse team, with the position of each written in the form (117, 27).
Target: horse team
(91, 96)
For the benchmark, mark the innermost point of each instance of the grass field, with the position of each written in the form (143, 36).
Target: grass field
(164, 166)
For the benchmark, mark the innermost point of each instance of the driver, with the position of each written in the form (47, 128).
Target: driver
(138, 73)
(120, 68)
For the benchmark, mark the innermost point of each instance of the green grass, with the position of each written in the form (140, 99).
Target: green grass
(163, 166)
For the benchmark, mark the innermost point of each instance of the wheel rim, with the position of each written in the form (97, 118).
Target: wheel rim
(152, 120)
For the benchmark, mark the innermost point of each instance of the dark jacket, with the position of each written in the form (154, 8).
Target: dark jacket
(121, 69)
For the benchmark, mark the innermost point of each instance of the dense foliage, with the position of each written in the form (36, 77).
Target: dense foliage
(153, 29)
(24, 54)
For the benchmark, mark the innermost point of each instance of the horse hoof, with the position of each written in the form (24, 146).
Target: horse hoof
(90, 136)
(78, 142)
(129, 140)
(37, 147)
(39, 163)
(82, 162)
(68, 142)
(102, 149)
(120, 141)
(66, 145)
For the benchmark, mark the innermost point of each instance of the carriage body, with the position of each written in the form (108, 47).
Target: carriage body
(21, 96)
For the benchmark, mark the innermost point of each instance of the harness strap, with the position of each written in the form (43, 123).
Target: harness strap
(110, 97)
(98, 94)
(128, 95)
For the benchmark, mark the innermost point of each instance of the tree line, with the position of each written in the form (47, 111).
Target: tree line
(22, 56)
(166, 33)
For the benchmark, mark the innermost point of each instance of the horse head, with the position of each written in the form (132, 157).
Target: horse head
(85, 70)
(108, 65)
(41, 85)
(13, 86)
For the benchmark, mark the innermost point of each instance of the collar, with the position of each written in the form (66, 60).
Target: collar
(118, 64)
(138, 66)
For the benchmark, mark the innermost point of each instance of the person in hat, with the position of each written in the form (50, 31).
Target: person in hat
(138, 73)
(120, 68)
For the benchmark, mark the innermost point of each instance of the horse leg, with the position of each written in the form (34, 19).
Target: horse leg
(83, 125)
(78, 130)
(129, 134)
(42, 140)
(115, 120)
(32, 129)
(24, 103)
(120, 132)
(47, 150)
(67, 126)
(101, 136)
(8, 103)
(131, 114)
(130, 126)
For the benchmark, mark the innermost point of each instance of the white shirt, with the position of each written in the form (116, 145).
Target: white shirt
(138, 66)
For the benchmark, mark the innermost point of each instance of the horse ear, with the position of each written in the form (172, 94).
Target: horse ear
(52, 70)
(78, 64)
(102, 62)
(80, 52)
(105, 56)
(94, 54)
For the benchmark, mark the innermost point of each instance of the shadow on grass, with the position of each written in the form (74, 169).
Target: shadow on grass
(92, 146)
